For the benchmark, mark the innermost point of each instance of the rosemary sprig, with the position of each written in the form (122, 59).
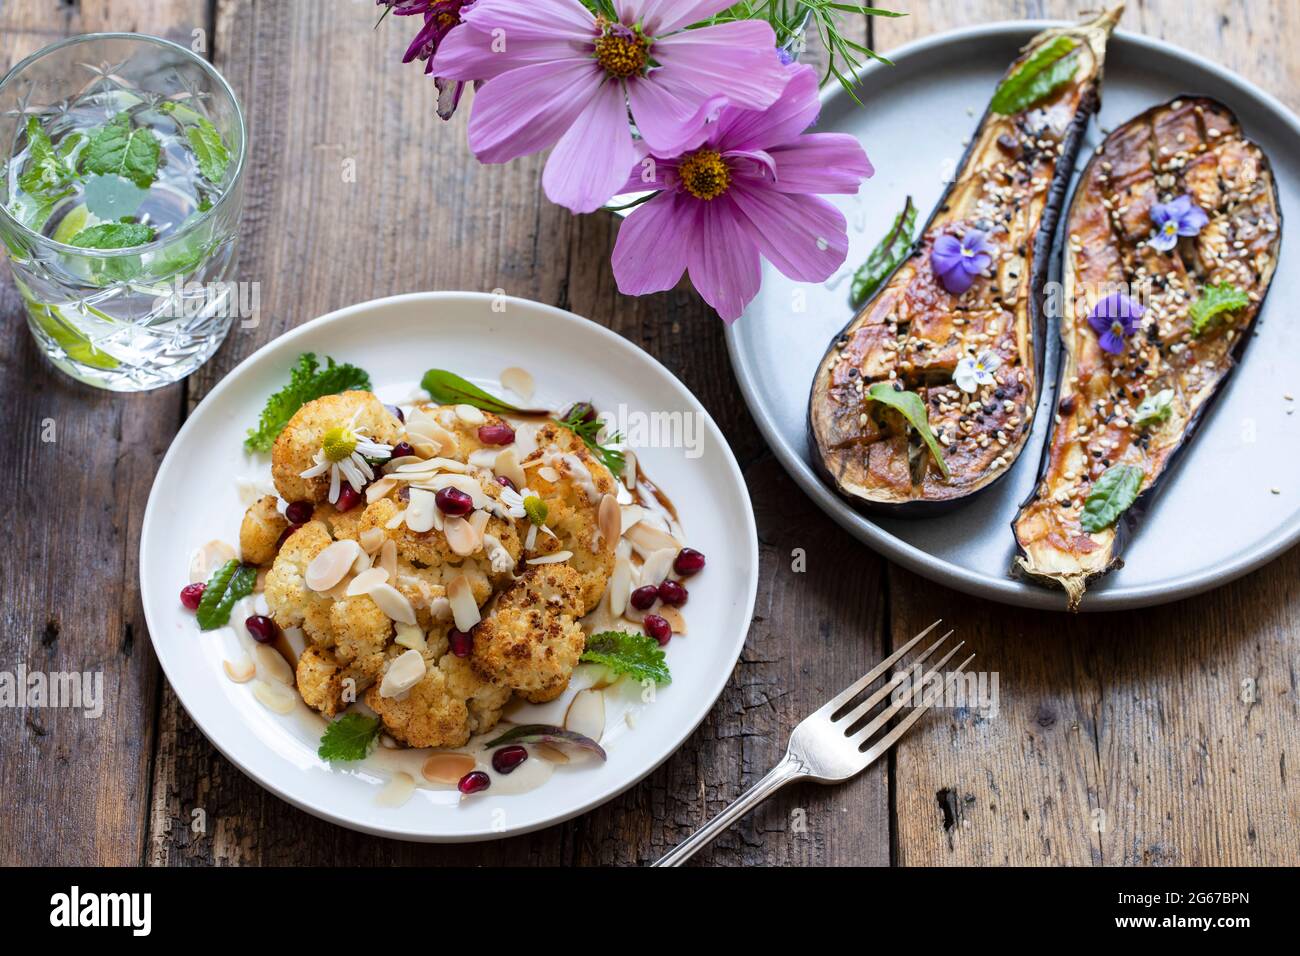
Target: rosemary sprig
(589, 431)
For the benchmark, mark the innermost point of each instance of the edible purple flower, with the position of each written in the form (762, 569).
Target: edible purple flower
(1114, 318)
(1180, 217)
(958, 261)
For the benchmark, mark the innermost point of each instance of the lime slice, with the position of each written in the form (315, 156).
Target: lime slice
(69, 338)
(76, 220)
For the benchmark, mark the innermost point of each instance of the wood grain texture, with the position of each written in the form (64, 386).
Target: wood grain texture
(1149, 738)
(69, 581)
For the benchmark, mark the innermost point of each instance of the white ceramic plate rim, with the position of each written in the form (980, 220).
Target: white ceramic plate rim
(1004, 588)
(217, 726)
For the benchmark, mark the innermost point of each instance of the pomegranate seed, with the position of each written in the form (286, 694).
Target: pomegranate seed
(508, 758)
(461, 642)
(496, 434)
(402, 449)
(657, 628)
(689, 561)
(672, 594)
(396, 413)
(284, 535)
(349, 498)
(453, 501)
(299, 512)
(191, 595)
(505, 482)
(585, 412)
(262, 628)
(473, 782)
(643, 598)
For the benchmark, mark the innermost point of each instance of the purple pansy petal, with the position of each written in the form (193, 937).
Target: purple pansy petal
(805, 237)
(737, 60)
(793, 113)
(821, 163)
(956, 281)
(1193, 221)
(1110, 342)
(587, 166)
(528, 109)
(1163, 242)
(650, 254)
(724, 261)
(946, 255)
(977, 263)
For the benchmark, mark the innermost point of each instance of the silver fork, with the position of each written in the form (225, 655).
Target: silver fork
(822, 748)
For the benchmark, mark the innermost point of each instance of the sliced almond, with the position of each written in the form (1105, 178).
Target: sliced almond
(361, 562)
(371, 540)
(447, 767)
(586, 714)
(240, 671)
(478, 521)
(519, 381)
(396, 521)
(410, 635)
(507, 466)
(366, 580)
(406, 670)
(631, 514)
(629, 468)
(440, 608)
(547, 752)
(275, 697)
(470, 415)
(610, 521)
(464, 609)
(462, 537)
(388, 558)
(674, 618)
(657, 566)
(555, 557)
(431, 465)
(380, 489)
(271, 665)
(647, 539)
(620, 586)
(547, 473)
(419, 511)
(393, 603)
(329, 567)
(207, 559)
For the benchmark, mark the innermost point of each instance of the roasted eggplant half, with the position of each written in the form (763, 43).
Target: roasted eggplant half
(1171, 242)
(927, 396)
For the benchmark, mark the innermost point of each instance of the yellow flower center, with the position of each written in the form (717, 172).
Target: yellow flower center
(704, 174)
(621, 51)
(338, 443)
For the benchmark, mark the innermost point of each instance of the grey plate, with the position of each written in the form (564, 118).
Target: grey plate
(1217, 517)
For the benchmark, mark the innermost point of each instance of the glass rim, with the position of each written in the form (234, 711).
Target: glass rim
(203, 217)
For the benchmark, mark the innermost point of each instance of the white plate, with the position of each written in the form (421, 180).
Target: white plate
(917, 116)
(194, 500)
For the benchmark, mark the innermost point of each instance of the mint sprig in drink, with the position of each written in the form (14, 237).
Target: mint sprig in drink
(121, 198)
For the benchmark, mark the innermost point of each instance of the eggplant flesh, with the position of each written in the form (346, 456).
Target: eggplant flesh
(1011, 185)
(1194, 146)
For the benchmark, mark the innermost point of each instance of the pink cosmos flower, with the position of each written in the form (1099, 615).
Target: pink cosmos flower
(561, 76)
(749, 190)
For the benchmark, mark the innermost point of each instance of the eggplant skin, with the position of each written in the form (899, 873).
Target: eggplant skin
(1012, 184)
(1190, 145)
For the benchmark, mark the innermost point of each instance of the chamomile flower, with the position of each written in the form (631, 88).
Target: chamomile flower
(343, 453)
(526, 503)
(971, 373)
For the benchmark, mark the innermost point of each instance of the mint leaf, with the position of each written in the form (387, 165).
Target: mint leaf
(623, 652)
(1214, 301)
(889, 252)
(204, 139)
(307, 381)
(119, 148)
(1046, 71)
(1155, 408)
(1111, 496)
(912, 407)
(348, 738)
(113, 235)
(228, 584)
(45, 171)
(112, 198)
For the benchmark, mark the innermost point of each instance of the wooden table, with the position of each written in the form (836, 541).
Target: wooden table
(1122, 739)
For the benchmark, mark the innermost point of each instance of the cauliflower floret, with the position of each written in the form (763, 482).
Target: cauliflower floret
(295, 450)
(447, 707)
(323, 681)
(259, 533)
(360, 629)
(292, 603)
(573, 507)
(342, 524)
(531, 641)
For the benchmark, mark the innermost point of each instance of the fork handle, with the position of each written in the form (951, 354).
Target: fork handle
(788, 769)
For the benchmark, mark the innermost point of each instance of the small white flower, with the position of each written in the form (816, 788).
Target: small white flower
(514, 500)
(343, 454)
(971, 373)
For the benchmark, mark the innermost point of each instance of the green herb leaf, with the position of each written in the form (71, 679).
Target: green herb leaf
(589, 431)
(912, 407)
(1155, 408)
(117, 147)
(1111, 496)
(889, 252)
(624, 652)
(228, 584)
(448, 388)
(1214, 301)
(205, 140)
(45, 171)
(348, 738)
(113, 235)
(307, 381)
(1046, 71)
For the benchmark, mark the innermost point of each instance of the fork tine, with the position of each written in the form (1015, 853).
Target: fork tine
(861, 736)
(890, 738)
(862, 708)
(858, 686)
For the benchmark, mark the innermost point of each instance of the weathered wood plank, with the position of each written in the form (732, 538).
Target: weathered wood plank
(1124, 738)
(69, 595)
